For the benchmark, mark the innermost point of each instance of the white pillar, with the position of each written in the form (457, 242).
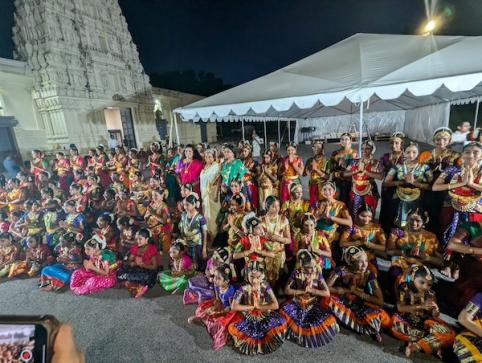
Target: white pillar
(279, 132)
(476, 114)
(361, 129)
(265, 137)
(171, 125)
(289, 130)
(242, 127)
(177, 130)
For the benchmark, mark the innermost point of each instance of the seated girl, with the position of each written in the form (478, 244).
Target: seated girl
(37, 255)
(200, 287)
(69, 258)
(216, 313)
(309, 325)
(413, 245)
(357, 298)
(98, 272)
(127, 236)
(106, 232)
(468, 344)
(364, 233)
(181, 268)
(417, 321)
(139, 272)
(313, 241)
(8, 253)
(261, 329)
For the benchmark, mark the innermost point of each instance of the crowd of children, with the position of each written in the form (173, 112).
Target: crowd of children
(262, 263)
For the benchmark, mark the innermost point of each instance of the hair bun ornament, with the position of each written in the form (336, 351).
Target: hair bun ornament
(351, 254)
(445, 131)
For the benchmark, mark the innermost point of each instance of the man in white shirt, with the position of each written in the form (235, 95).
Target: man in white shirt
(461, 135)
(112, 143)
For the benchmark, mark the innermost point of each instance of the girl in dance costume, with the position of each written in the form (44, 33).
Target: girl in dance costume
(181, 266)
(261, 329)
(309, 325)
(468, 344)
(98, 272)
(356, 297)
(417, 320)
(216, 313)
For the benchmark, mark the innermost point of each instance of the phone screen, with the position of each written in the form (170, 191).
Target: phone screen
(25, 343)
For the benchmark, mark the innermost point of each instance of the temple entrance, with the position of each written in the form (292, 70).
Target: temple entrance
(8, 145)
(120, 123)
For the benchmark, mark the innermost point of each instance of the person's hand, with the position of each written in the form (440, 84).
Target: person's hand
(231, 219)
(204, 254)
(65, 350)
(470, 178)
(88, 264)
(409, 178)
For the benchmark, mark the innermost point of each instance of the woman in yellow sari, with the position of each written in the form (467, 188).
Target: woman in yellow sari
(210, 191)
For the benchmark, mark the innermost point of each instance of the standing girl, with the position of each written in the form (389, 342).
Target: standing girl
(193, 230)
(411, 179)
(292, 170)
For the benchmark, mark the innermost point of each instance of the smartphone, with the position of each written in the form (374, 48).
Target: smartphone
(27, 339)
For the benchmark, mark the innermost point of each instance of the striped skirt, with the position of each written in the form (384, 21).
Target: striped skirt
(309, 325)
(258, 332)
(468, 347)
(362, 317)
(429, 334)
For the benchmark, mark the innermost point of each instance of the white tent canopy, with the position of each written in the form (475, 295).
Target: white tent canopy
(386, 72)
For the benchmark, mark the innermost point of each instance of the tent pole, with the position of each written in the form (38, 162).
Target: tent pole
(476, 114)
(177, 130)
(170, 129)
(279, 132)
(265, 136)
(289, 130)
(360, 141)
(242, 127)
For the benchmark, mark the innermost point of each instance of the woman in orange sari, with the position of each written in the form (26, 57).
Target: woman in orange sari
(292, 170)
(77, 162)
(120, 164)
(63, 170)
(100, 166)
(155, 162)
(318, 168)
(158, 220)
(363, 173)
(38, 164)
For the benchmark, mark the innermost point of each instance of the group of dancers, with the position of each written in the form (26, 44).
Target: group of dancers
(262, 263)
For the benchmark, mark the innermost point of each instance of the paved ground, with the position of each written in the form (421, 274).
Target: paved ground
(112, 327)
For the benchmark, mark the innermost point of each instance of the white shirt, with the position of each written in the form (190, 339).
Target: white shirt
(112, 143)
(458, 136)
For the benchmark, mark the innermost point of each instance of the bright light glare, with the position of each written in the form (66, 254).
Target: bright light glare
(430, 26)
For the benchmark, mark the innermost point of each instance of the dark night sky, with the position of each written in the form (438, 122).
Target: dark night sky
(239, 40)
